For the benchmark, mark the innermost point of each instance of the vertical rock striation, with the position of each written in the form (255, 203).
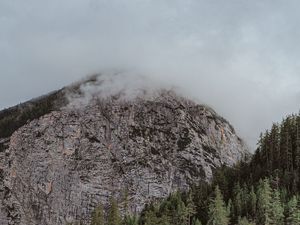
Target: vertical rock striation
(59, 167)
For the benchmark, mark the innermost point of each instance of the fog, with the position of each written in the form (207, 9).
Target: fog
(238, 56)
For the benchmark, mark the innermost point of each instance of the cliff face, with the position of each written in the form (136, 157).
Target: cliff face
(59, 167)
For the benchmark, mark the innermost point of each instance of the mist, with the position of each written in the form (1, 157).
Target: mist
(240, 57)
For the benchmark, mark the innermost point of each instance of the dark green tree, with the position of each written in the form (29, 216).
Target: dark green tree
(190, 208)
(114, 217)
(98, 216)
(196, 222)
(264, 204)
(237, 201)
(130, 220)
(277, 217)
(252, 202)
(293, 212)
(244, 221)
(217, 210)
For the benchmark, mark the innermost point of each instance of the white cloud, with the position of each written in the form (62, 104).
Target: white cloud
(241, 57)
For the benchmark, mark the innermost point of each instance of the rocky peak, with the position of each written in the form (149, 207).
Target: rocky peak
(60, 166)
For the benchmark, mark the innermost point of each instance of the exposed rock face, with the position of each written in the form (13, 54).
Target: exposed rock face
(59, 167)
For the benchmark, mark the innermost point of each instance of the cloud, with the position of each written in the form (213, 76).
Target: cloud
(124, 85)
(240, 57)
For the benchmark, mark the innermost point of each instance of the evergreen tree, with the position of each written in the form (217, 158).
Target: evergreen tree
(175, 209)
(130, 220)
(244, 198)
(237, 202)
(252, 202)
(190, 208)
(126, 201)
(293, 212)
(217, 210)
(149, 217)
(114, 214)
(98, 216)
(277, 217)
(244, 221)
(264, 205)
(153, 219)
(275, 146)
(229, 208)
(196, 222)
(221, 180)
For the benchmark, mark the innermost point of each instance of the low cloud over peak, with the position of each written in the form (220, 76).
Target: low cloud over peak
(240, 57)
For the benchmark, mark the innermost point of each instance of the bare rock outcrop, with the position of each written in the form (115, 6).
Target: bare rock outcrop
(59, 167)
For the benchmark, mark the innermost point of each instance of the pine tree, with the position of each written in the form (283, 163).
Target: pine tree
(244, 198)
(152, 219)
(130, 220)
(252, 202)
(293, 212)
(289, 149)
(286, 147)
(275, 146)
(237, 201)
(217, 210)
(264, 205)
(126, 201)
(268, 154)
(98, 216)
(283, 144)
(190, 208)
(229, 208)
(277, 217)
(221, 180)
(164, 220)
(196, 222)
(244, 221)
(175, 209)
(180, 215)
(114, 214)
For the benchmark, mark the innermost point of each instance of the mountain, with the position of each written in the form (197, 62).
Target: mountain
(69, 151)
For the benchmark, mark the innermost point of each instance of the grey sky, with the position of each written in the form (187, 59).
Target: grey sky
(239, 56)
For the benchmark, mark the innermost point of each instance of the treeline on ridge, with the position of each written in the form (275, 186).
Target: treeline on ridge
(15, 117)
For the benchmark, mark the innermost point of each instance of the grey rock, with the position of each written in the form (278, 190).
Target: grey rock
(59, 167)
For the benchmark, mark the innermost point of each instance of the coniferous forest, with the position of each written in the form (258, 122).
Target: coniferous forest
(263, 190)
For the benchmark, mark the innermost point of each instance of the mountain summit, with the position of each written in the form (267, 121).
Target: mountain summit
(61, 163)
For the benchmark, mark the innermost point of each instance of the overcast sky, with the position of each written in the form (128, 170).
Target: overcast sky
(239, 56)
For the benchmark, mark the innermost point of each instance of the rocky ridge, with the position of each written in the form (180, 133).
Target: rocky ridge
(59, 167)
